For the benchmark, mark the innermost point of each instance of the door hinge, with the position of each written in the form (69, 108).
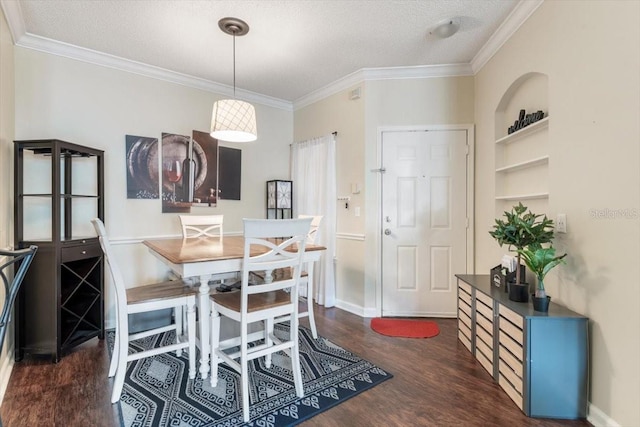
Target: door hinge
(381, 170)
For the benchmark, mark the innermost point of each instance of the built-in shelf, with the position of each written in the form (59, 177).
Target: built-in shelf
(523, 165)
(530, 196)
(532, 128)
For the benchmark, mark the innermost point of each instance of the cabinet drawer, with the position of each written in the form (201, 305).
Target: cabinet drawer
(511, 392)
(485, 336)
(464, 318)
(507, 342)
(483, 348)
(72, 253)
(511, 376)
(486, 324)
(486, 300)
(511, 316)
(511, 360)
(511, 330)
(464, 307)
(484, 310)
(486, 364)
(462, 296)
(464, 339)
(464, 287)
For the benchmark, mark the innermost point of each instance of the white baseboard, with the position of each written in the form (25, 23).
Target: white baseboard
(5, 372)
(356, 309)
(600, 419)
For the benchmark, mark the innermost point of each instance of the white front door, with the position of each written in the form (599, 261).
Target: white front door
(424, 221)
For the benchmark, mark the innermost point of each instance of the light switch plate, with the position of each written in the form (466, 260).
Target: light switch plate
(561, 223)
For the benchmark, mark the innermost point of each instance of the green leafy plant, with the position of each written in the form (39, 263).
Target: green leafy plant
(540, 261)
(520, 229)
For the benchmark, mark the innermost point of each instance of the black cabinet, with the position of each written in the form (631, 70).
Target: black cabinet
(279, 199)
(59, 188)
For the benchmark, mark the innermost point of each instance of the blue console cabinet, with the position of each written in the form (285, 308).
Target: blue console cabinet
(539, 359)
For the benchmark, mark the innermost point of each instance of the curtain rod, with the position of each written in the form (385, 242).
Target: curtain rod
(334, 133)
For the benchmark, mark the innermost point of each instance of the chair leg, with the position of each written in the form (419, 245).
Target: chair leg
(215, 343)
(121, 370)
(295, 362)
(177, 319)
(244, 374)
(191, 331)
(268, 330)
(116, 351)
(312, 319)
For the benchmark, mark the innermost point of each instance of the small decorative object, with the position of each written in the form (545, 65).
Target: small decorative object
(540, 261)
(521, 228)
(279, 199)
(525, 120)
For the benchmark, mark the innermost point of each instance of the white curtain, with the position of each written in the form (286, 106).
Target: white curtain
(313, 172)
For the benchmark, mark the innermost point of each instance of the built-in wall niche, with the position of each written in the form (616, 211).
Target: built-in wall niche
(522, 157)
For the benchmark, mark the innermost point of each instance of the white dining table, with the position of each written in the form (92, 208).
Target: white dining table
(202, 258)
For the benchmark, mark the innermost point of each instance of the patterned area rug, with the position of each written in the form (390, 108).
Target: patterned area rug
(157, 390)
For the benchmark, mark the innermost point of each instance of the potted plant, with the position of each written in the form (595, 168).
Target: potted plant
(540, 261)
(519, 229)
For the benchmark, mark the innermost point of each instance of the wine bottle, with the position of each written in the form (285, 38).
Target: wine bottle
(188, 174)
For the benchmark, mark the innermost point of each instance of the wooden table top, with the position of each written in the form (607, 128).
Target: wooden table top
(204, 249)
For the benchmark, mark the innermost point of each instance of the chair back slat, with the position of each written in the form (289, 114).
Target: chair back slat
(201, 225)
(266, 250)
(114, 269)
(21, 260)
(314, 231)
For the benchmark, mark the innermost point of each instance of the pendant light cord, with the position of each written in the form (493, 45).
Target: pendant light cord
(234, 65)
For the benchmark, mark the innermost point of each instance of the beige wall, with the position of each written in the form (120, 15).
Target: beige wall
(590, 52)
(6, 177)
(406, 102)
(57, 97)
(338, 113)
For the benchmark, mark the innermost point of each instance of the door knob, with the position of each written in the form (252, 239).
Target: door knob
(387, 231)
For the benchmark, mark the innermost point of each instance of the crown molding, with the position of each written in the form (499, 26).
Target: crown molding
(54, 47)
(383, 73)
(516, 18)
(15, 21)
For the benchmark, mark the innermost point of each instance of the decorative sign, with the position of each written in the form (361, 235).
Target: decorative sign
(525, 120)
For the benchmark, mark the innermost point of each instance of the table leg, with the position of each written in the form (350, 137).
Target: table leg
(204, 313)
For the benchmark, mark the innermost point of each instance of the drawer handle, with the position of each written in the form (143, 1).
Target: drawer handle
(84, 252)
(84, 241)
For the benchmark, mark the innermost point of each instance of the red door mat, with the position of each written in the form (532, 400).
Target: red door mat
(405, 328)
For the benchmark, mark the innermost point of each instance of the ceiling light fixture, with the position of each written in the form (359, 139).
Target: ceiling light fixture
(233, 120)
(446, 28)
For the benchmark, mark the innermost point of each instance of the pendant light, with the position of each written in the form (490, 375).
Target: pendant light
(233, 120)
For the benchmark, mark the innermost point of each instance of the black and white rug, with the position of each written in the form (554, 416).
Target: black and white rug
(157, 391)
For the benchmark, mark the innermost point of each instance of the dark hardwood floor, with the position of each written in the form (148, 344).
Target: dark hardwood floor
(436, 383)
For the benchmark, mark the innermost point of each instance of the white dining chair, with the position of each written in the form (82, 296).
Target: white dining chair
(201, 225)
(198, 226)
(159, 296)
(262, 302)
(306, 277)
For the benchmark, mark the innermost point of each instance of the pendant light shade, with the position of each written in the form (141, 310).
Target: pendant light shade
(233, 120)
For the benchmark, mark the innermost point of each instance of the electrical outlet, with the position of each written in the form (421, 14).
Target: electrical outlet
(561, 223)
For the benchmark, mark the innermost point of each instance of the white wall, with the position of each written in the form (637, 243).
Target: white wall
(57, 97)
(590, 52)
(6, 177)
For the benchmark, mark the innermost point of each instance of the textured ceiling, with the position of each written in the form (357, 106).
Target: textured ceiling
(293, 47)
